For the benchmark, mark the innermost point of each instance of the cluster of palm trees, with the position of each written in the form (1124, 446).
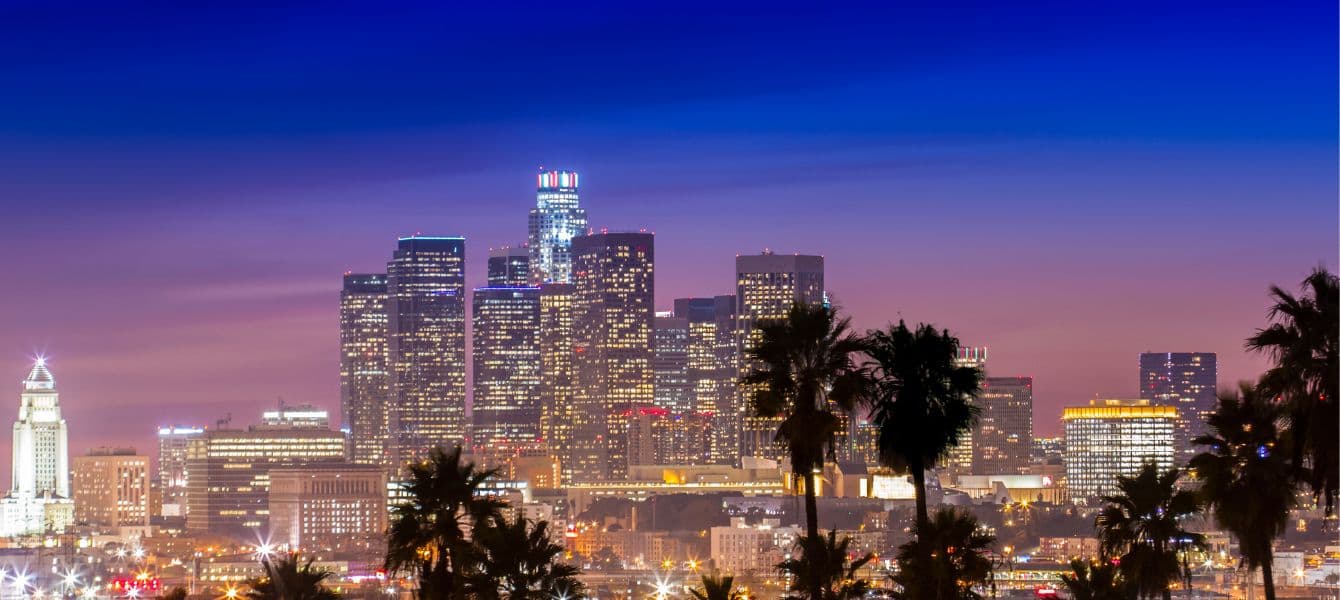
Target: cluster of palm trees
(456, 542)
(1265, 443)
(810, 371)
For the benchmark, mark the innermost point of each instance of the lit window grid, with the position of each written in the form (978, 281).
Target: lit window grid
(506, 354)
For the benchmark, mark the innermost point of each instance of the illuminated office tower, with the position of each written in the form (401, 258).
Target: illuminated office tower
(767, 285)
(713, 368)
(1002, 442)
(960, 457)
(506, 353)
(670, 365)
(556, 366)
(554, 221)
(364, 380)
(1187, 381)
(111, 489)
(39, 496)
(425, 288)
(230, 471)
(611, 348)
(657, 436)
(509, 266)
(1108, 438)
(173, 476)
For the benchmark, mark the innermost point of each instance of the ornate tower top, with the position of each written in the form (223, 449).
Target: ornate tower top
(40, 378)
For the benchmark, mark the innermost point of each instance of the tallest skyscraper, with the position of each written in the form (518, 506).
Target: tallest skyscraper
(554, 221)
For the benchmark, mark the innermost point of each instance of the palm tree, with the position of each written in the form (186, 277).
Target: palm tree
(946, 559)
(1094, 581)
(1244, 475)
(804, 373)
(829, 566)
(922, 400)
(1142, 524)
(287, 577)
(1302, 343)
(519, 561)
(429, 534)
(716, 588)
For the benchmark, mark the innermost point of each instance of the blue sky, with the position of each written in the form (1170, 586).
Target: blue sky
(1068, 183)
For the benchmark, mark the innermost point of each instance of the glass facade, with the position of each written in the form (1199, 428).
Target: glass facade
(712, 369)
(364, 380)
(506, 352)
(1187, 381)
(509, 266)
(556, 371)
(674, 392)
(1114, 437)
(173, 474)
(612, 332)
(1002, 442)
(554, 221)
(766, 285)
(425, 285)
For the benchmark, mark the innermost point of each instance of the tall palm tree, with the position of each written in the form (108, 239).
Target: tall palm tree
(519, 561)
(804, 372)
(946, 560)
(1244, 475)
(716, 588)
(1142, 524)
(826, 560)
(922, 400)
(1094, 581)
(287, 577)
(429, 534)
(1302, 343)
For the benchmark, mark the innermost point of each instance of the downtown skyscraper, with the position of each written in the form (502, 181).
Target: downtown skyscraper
(1002, 440)
(425, 288)
(554, 221)
(506, 353)
(556, 371)
(766, 286)
(612, 328)
(1187, 381)
(364, 377)
(713, 368)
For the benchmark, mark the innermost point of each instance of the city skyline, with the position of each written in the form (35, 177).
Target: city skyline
(1062, 223)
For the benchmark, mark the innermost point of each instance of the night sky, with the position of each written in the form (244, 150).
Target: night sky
(1068, 183)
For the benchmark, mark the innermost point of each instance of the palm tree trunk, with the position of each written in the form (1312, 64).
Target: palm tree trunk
(1268, 577)
(812, 535)
(919, 481)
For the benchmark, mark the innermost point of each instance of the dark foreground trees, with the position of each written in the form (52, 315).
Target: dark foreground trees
(1244, 475)
(1143, 526)
(946, 560)
(288, 577)
(457, 544)
(921, 400)
(1301, 342)
(805, 374)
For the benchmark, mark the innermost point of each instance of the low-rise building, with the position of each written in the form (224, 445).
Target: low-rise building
(111, 489)
(328, 507)
(741, 548)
